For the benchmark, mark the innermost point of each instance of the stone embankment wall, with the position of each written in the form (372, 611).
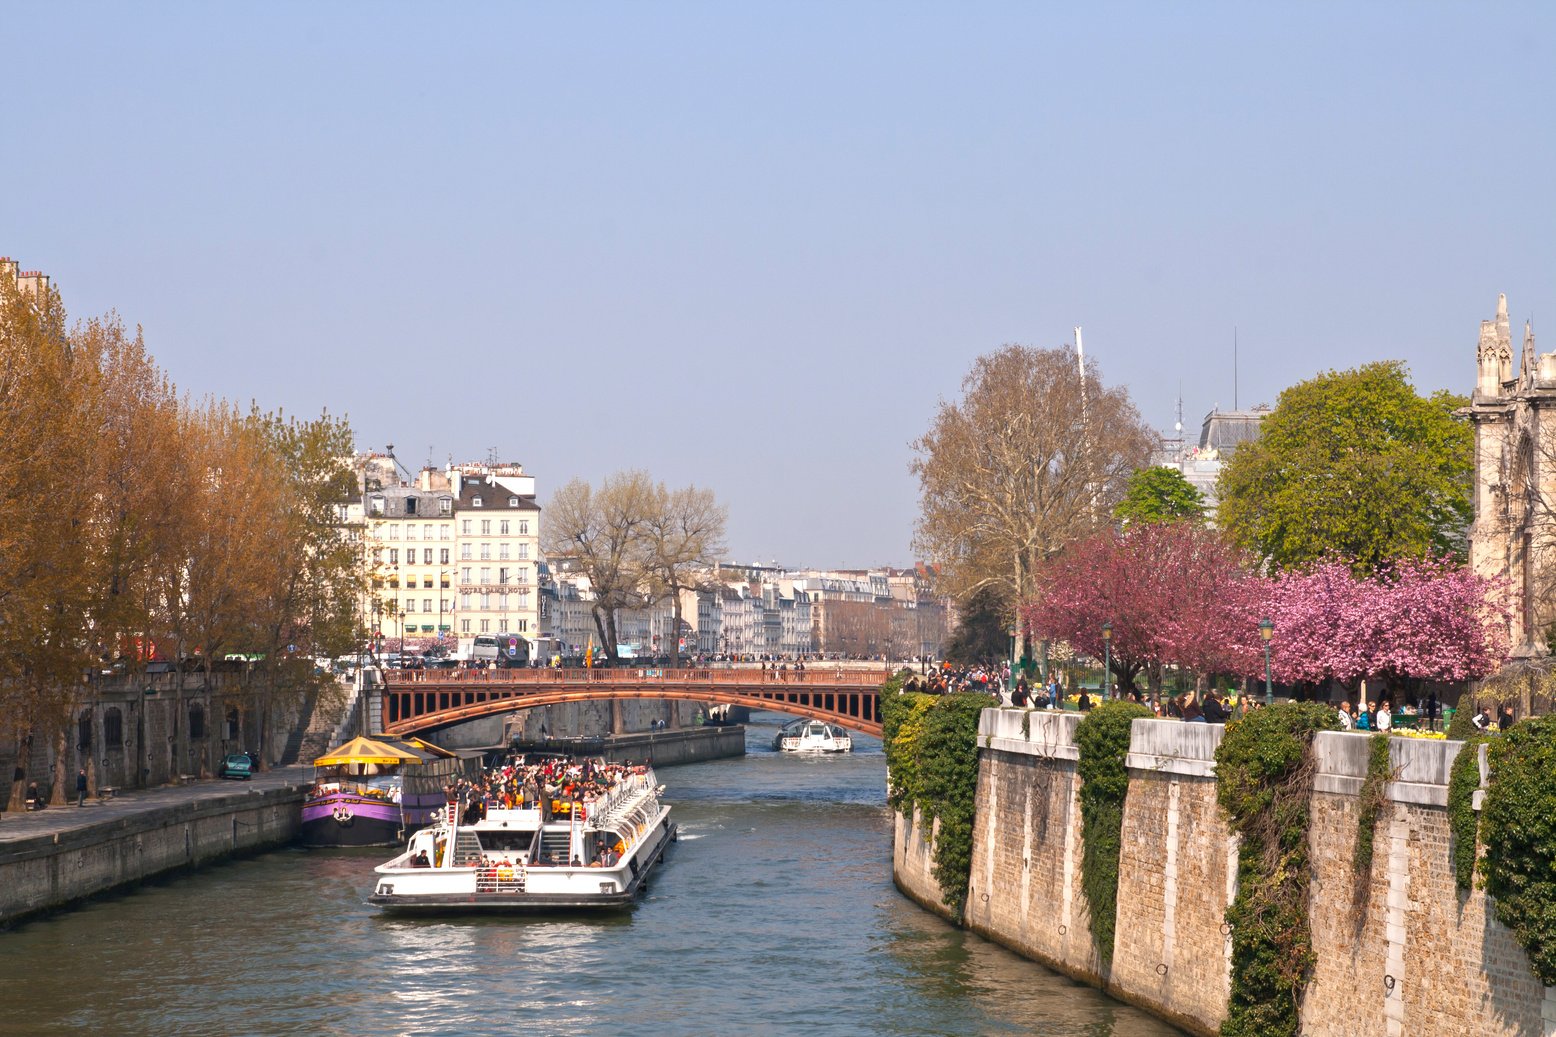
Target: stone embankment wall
(151, 730)
(1399, 953)
(52, 870)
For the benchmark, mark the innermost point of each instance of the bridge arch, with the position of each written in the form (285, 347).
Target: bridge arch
(849, 699)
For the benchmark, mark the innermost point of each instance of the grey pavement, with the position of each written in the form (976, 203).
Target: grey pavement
(26, 825)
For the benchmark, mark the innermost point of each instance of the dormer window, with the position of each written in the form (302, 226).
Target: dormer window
(375, 505)
(513, 502)
(410, 505)
(445, 505)
(475, 502)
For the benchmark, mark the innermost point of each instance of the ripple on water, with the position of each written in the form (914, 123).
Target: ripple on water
(775, 914)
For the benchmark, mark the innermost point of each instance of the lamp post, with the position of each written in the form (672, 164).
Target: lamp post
(1267, 631)
(1010, 682)
(1107, 659)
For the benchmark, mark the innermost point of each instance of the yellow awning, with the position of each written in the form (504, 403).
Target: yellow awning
(365, 750)
(427, 746)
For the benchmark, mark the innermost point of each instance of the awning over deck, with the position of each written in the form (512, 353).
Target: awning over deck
(361, 750)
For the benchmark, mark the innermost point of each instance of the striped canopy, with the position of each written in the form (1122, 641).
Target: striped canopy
(365, 750)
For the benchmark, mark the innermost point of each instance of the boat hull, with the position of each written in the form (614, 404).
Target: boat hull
(344, 819)
(538, 903)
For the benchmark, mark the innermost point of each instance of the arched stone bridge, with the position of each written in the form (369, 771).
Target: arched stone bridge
(418, 700)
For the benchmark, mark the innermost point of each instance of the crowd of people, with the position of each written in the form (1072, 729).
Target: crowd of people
(557, 786)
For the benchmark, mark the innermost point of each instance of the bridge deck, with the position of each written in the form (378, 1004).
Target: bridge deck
(416, 700)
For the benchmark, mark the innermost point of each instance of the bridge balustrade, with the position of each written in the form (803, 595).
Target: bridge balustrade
(419, 699)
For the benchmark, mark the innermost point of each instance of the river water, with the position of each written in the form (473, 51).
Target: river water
(775, 914)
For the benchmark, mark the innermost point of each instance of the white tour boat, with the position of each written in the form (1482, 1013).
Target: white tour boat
(597, 854)
(812, 736)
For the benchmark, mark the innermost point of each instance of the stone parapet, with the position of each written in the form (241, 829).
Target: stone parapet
(1030, 732)
(1173, 747)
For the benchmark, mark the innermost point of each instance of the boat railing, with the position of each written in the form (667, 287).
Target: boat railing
(610, 805)
(500, 878)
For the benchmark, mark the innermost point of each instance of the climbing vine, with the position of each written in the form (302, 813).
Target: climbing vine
(932, 757)
(1264, 767)
(1463, 820)
(1103, 739)
(1518, 827)
(1371, 804)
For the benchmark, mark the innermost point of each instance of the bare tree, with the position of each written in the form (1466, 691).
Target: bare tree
(1034, 455)
(602, 532)
(684, 535)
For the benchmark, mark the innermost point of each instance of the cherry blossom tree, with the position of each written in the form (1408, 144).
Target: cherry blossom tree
(1174, 593)
(1419, 620)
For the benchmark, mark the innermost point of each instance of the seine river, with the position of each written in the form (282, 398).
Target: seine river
(775, 914)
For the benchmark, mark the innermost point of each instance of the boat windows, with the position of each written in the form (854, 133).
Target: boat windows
(507, 840)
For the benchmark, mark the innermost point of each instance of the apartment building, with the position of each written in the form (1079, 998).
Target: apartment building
(408, 538)
(32, 283)
(450, 553)
(497, 551)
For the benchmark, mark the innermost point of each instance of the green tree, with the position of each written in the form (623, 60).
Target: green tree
(1159, 494)
(1354, 465)
(981, 634)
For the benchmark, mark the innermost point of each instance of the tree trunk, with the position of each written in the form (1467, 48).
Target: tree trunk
(57, 793)
(18, 801)
(675, 623)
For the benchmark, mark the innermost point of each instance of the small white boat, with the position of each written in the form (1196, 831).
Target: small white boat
(812, 736)
(599, 856)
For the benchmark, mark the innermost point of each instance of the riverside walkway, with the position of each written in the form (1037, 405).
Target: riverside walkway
(53, 857)
(22, 826)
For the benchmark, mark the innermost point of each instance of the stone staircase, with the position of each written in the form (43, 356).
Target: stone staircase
(328, 725)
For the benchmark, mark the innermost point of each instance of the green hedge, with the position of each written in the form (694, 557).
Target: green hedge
(1103, 739)
(1264, 768)
(932, 756)
(1518, 827)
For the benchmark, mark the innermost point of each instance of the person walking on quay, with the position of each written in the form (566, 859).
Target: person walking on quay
(81, 787)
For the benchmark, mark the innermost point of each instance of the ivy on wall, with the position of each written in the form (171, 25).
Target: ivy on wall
(1370, 806)
(1518, 827)
(931, 744)
(1264, 767)
(1463, 819)
(1103, 739)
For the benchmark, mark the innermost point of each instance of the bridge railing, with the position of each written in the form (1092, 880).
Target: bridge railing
(822, 676)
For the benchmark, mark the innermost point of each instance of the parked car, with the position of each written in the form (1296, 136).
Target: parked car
(237, 765)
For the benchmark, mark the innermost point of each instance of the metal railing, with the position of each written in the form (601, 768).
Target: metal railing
(818, 676)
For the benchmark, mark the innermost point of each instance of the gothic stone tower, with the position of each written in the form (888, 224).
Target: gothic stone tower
(1513, 412)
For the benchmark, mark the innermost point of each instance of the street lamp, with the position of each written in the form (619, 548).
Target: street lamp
(1107, 659)
(1267, 631)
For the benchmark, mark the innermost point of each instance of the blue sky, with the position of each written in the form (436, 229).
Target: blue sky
(750, 246)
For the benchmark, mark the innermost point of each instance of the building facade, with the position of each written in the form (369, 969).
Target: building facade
(1513, 536)
(450, 554)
